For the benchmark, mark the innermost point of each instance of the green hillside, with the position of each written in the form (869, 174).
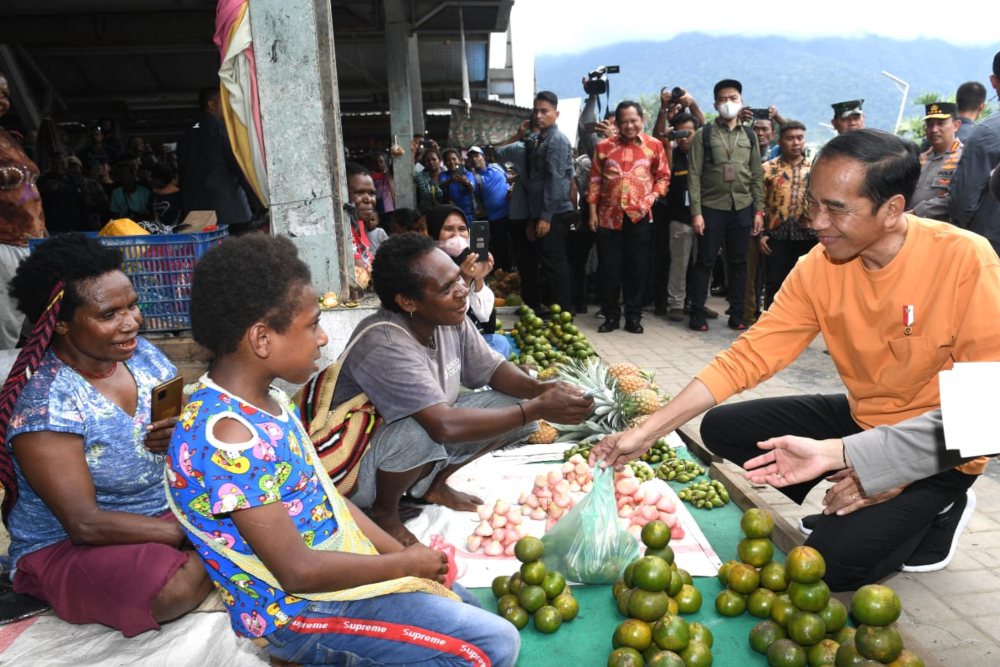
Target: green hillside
(801, 78)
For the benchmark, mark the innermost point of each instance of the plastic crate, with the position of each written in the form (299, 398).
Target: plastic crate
(161, 267)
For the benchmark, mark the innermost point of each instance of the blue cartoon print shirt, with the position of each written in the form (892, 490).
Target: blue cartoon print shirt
(127, 477)
(210, 479)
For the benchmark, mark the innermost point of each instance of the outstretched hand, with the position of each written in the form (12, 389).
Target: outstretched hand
(791, 459)
(617, 449)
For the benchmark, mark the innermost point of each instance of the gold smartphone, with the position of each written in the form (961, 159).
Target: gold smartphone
(167, 399)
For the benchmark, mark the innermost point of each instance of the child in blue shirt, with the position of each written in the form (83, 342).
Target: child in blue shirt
(299, 567)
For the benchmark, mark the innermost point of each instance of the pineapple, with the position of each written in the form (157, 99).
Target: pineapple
(548, 374)
(647, 401)
(632, 383)
(637, 421)
(618, 370)
(544, 435)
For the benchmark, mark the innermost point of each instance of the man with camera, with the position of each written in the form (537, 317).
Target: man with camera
(628, 173)
(550, 209)
(727, 201)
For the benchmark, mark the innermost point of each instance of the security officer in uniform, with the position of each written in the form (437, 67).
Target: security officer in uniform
(848, 116)
(937, 163)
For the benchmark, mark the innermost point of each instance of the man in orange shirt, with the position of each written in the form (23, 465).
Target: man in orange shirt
(628, 173)
(897, 299)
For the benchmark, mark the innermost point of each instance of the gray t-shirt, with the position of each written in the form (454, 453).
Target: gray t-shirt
(402, 377)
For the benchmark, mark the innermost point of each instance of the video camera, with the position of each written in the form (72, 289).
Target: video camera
(597, 81)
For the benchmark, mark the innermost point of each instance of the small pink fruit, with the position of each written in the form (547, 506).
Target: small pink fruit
(532, 501)
(484, 529)
(665, 504)
(635, 531)
(494, 548)
(626, 511)
(509, 550)
(554, 477)
(523, 498)
(501, 508)
(676, 532)
(582, 468)
(538, 514)
(483, 511)
(649, 512)
(586, 488)
(474, 542)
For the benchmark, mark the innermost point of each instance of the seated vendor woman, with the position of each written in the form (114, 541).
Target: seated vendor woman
(411, 358)
(85, 502)
(300, 568)
(448, 225)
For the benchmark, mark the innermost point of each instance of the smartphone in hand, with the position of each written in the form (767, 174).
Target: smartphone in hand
(479, 239)
(167, 399)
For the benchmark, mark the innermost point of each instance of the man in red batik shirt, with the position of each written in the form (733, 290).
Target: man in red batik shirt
(628, 173)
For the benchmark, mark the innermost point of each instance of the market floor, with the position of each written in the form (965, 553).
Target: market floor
(954, 612)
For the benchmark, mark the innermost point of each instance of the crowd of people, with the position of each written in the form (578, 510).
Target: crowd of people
(841, 245)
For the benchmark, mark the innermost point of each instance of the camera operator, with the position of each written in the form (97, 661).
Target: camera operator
(672, 102)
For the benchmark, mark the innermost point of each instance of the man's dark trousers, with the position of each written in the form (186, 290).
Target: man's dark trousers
(734, 228)
(861, 547)
(549, 252)
(624, 262)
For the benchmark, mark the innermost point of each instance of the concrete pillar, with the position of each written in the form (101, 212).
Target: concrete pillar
(416, 85)
(397, 50)
(300, 110)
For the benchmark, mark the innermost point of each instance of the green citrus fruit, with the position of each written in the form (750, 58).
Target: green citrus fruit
(625, 657)
(514, 584)
(633, 633)
(547, 620)
(845, 635)
(618, 587)
(676, 582)
(652, 573)
(834, 615)
(621, 601)
(782, 610)
(806, 628)
(697, 655)
(759, 603)
(665, 552)
(699, 633)
(685, 576)
(532, 598)
(757, 552)
(500, 586)
(907, 659)
(757, 523)
(663, 658)
(688, 599)
(655, 534)
(516, 615)
(848, 656)
(627, 574)
(744, 578)
(505, 602)
(671, 633)
(553, 584)
(773, 577)
(823, 654)
(567, 606)
(533, 573)
(764, 634)
(809, 597)
(875, 604)
(786, 653)
(672, 608)
(880, 643)
(528, 548)
(724, 571)
(805, 565)
(730, 603)
(647, 605)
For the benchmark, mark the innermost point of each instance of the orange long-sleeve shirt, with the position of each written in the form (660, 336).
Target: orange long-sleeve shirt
(949, 276)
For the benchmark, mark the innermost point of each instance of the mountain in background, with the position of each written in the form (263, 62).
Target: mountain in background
(801, 78)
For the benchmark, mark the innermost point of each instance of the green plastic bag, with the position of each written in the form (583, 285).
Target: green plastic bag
(587, 545)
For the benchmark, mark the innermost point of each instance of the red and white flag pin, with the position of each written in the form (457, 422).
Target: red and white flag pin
(908, 319)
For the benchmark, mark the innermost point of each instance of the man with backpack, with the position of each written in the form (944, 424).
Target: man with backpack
(725, 182)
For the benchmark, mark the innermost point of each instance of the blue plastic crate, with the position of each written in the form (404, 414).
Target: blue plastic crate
(160, 267)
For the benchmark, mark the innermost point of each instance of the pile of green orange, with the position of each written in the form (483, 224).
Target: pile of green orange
(754, 581)
(534, 591)
(652, 593)
(875, 608)
(542, 343)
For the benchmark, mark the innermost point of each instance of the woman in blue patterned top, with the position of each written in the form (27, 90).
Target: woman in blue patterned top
(301, 570)
(85, 505)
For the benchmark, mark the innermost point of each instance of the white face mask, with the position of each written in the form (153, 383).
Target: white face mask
(729, 110)
(454, 246)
